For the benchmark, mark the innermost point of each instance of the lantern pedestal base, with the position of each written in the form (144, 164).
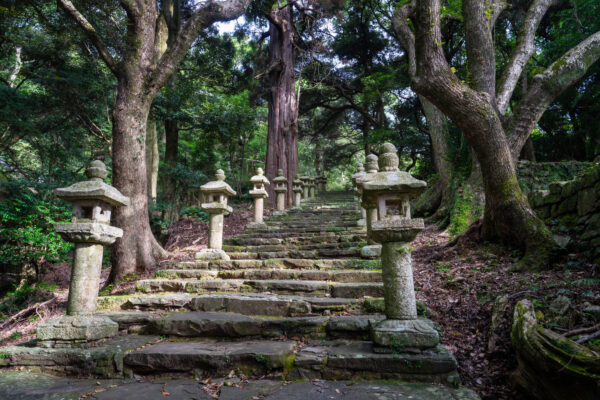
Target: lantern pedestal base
(279, 213)
(296, 208)
(361, 222)
(257, 225)
(371, 251)
(212, 254)
(398, 335)
(77, 328)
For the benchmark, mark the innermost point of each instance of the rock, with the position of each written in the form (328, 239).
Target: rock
(371, 251)
(560, 305)
(593, 310)
(562, 240)
(393, 335)
(77, 327)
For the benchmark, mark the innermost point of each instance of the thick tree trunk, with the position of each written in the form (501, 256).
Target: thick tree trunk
(507, 216)
(138, 249)
(282, 135)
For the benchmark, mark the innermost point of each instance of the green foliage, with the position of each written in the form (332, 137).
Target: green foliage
(196, 213)
(22, 295)
(464, 212)
(27, 219)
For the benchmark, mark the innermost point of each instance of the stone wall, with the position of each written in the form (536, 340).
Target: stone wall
(537, 176)
(572, 209)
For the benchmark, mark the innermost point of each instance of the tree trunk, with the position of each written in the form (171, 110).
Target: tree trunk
(507, 216)
(152, 159)
(169, 185)
(282, 135)
(137, 250)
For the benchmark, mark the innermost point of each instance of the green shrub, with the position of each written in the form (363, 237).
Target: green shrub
(27, 222)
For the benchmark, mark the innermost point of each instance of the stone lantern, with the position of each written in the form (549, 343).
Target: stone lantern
(312, 187)
(280, 188)
(215, 203)
(90, 230)
(297, 188)
(391, 190)
(306, 186)
(358, 191)
(322, 183)
(372, 249)
(259, 194)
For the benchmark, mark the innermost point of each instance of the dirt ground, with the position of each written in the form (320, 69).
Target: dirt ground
(458, 284)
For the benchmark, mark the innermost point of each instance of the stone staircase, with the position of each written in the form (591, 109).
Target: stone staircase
(295, 301)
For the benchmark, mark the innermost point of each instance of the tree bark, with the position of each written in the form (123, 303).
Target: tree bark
(507, 216)
(137, 249)
(152, 159)
(282, 135)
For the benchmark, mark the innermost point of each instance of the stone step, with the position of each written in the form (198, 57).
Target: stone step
(209, 358)
(303, 254)
(319, 359)
(302, 231)
(280, 263)
(242, 303)
(292, 246)
(196, 324)
(285, 287)
(321, 275)
(331, 237)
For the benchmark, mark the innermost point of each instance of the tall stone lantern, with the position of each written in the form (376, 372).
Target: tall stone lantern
(391, 190)
(372, 249)
(90, 230)
(305, 186)
(312, 187)
(360, 171)
(322, 183)
(259, 194)
(298, 190)
(215, 195)
(280, 189)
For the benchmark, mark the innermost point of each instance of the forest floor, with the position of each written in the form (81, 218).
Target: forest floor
(458, 283)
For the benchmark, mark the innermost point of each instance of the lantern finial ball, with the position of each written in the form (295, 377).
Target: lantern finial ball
(220, 175)
(259, 171)
(96, 170)
(388, 159)
(279, 172)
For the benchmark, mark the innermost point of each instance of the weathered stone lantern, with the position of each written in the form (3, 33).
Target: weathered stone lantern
(280, 188)
(90, 230)
(215, 203)
(306, 186)
(322, 183)
(360, 171)
(259, 194)
(312, 187)
(298, 190)
(391, 190)
(372, 249)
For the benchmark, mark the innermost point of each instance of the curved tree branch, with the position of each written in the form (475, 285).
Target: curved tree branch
(548, 85)
(521, 53)
(92, 34)
(211, 12)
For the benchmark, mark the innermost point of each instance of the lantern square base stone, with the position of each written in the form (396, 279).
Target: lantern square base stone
(371, 251)
(212, 254)
(279, 213)
(77, 328)
(257, 225)
(396, 335)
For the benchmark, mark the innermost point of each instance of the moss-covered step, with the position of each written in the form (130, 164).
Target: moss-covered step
(328, 237)
(230, 325)
(105, 360)
(241, 303)
(292, 246)
(310, 275)
(292, 253)
(213, 358)
(285, 287)
(357, 361)
(280, 263)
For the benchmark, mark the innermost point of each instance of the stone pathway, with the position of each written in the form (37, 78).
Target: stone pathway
(295, 302)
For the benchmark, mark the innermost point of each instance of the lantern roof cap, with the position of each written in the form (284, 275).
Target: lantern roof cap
(93, 189)
(390, 178)
(259, 177)
(218, 186)
(280, 178)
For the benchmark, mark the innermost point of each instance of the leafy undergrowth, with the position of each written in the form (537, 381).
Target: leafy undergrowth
(460, 283)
